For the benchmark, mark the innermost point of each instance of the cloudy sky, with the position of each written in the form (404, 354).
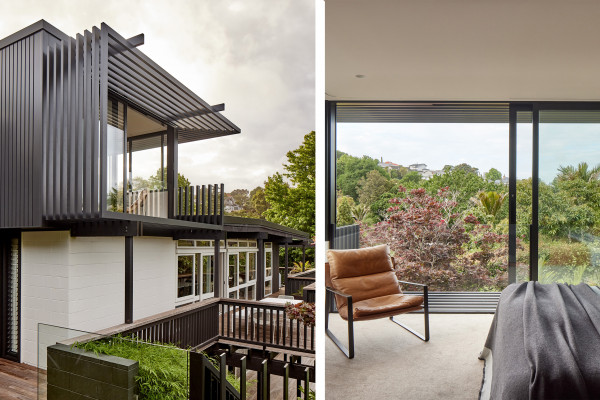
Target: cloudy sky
(255, 56)
(483, 146)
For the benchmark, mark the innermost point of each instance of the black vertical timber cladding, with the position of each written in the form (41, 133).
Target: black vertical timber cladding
(21, 83)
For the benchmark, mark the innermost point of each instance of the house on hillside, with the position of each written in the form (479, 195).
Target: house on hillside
(84, 244)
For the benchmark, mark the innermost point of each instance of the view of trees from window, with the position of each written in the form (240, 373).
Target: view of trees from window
(449, 226)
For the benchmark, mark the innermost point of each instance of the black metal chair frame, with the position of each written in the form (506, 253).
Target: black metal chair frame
(349, 351)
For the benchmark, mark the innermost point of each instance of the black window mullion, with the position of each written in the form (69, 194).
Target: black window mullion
(534, 227)
(512, 196)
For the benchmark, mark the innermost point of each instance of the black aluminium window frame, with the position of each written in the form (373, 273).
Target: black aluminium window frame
(513, 108)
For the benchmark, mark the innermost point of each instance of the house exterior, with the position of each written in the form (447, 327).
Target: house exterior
(90, 237)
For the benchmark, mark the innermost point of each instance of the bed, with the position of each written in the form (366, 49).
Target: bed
(544, 343)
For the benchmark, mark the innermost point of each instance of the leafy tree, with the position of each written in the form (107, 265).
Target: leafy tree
(292, 194)
(411, 179)
(344, 211)
(241, 197)
(258, 202)
(155, 181)
(491, 202)
(359, 212)
(493, 175)
(430, 242)
(463, 181)
(351, 169)
(582, 172)
(373, 185)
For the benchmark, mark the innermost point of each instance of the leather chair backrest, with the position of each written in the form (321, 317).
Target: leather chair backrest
(363, 273)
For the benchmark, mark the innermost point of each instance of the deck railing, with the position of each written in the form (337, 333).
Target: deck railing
(149, 202)
(260, 324)
(201, 203)
(208, 383)
(264, 324)
(347, 237)
(296, 282)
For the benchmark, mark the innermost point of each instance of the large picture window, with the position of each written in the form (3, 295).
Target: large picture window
(195, 270)
(241, 269)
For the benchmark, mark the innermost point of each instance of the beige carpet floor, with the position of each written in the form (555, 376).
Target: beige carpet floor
(390, 363)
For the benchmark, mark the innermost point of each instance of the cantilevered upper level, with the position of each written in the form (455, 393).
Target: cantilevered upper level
(76, 114)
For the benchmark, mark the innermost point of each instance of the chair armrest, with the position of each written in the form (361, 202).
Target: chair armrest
(328, 289)
(413, 283)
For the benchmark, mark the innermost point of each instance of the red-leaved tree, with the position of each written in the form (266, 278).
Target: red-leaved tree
(429, 242)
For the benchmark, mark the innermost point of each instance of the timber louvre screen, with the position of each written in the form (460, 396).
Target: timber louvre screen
(78, 75)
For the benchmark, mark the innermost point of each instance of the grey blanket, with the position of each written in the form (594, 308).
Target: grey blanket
(544, 343)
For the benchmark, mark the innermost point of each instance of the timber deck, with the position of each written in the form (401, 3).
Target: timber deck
(19, 381)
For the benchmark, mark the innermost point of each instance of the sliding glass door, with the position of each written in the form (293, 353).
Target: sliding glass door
(555, 234)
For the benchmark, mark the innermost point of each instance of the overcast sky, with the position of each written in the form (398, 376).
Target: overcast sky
(483, 146)
(255, 56)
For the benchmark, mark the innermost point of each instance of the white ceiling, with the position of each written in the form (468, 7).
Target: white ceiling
(494, 50)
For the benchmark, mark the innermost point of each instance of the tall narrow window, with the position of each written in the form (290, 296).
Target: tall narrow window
(13, 298)
(185, 276)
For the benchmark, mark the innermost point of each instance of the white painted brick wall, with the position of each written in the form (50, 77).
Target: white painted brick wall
(155, 276)
(79, 283)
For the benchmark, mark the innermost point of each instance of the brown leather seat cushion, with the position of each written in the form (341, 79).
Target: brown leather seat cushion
(383, 306)
(362, 273)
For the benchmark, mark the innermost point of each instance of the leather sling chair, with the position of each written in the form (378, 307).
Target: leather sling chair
(365, 288)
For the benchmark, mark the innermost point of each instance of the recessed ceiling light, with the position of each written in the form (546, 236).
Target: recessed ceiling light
(359, 75)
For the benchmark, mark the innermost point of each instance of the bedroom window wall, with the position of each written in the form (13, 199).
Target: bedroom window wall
(469, 197)
(436, 193)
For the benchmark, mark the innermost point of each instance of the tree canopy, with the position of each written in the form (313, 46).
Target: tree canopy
(291, 195)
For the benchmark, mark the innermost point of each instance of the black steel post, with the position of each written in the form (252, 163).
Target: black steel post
(171, 169)
(533, 237)
(512, 195)
(128, 279)
(217, 268)
(260, 270)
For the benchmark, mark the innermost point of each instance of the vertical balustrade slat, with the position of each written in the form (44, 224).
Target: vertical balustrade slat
(278, 339)
(252, 311)
(208, 205)
(271, 325)
(179, 201)
(297, 333)
(243, 379)
(246, 324)
(203, 202)
(228, 320)
(262, 381)
(284, 329)
(214, 221)
(264, 325)
(305, 335)
(223, 376)
(222, 307)
(306, 381)
(233, 317)
(286, 381)
(186, 201)
(197, 199)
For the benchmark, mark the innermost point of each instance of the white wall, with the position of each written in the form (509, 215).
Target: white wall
(44, 286)
(155, 276)
(79, 282)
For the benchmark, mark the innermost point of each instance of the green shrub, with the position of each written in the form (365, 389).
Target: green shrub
(162, 368)
(563, 253)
